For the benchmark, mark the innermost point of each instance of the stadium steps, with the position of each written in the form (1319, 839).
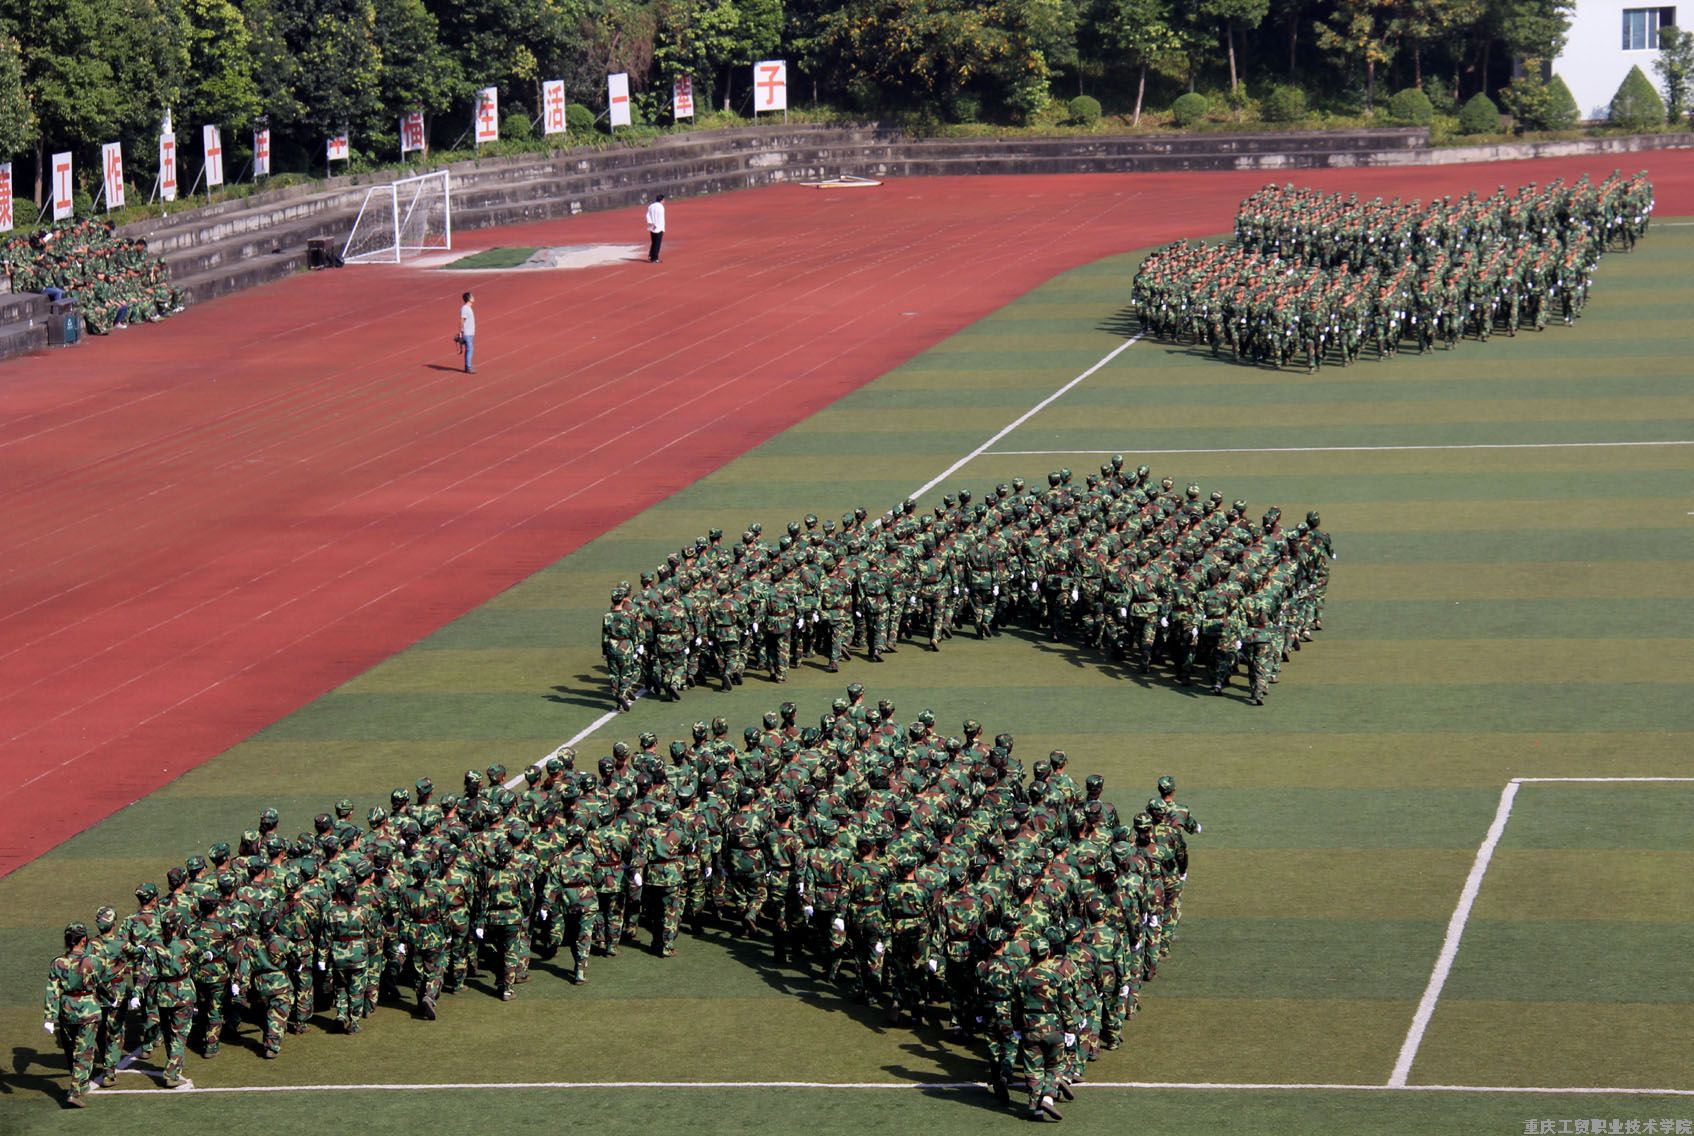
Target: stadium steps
(23, 323)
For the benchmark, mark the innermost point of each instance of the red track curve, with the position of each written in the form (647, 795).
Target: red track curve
(214, 520)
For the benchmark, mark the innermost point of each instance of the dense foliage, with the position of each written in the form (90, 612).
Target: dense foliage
(76, 73)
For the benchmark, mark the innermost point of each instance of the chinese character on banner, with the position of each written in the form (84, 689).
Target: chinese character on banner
(487, 115)
(262, 152)
(339, 148)
(617, 98)
(64, 191)
(682, 97)
(167, 167)
(112, 167)
(553, 106)
(5, 197)
(411, 132)
(211, 144)
(770, 85)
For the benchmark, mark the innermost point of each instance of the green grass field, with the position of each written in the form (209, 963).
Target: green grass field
(1496, 613)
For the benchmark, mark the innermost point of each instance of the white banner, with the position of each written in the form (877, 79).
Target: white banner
(682, 97)
(553, 106)
(261, 152)
(5, 197)
(212, 146)
(167, 167)
(617, 98)
(64, 191)
(112, 167)
(411, 132)
(338, 148)
(770, 85)
(487, 115)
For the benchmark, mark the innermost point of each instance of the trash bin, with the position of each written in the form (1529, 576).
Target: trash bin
(64, 326)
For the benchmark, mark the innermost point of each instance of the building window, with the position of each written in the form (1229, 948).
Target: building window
(1641, 27)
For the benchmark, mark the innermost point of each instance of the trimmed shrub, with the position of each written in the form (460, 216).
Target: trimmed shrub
(1562, 112)
(578, 119)
(1411, 107)
(517, 126)
(1192, 107)
(1637, 106)
(1283, 104)
(1479, 116)
(1084, 110)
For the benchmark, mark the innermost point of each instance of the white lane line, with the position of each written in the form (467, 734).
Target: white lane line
(1127, 451)
(1450, 945)
(1025, 417)
(1600, 780)
(922, 1086)
(518, 779)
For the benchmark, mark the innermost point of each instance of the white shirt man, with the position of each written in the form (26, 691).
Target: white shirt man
(656, 228)
(467, 331)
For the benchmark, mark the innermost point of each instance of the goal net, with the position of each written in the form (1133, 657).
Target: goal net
(402, 218)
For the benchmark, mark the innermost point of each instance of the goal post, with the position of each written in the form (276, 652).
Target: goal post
(402, 218)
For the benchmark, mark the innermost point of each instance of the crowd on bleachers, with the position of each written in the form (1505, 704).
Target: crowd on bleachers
(113, 280)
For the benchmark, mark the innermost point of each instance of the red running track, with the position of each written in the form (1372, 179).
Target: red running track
(212, 521)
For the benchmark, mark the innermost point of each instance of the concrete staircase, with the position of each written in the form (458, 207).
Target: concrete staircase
(23, 323)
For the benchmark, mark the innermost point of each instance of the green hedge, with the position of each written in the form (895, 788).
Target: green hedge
(1411, 107)
(1283, 104)
(1479, 116)
(1190, 109)
(1637, 106)
(1084, 110)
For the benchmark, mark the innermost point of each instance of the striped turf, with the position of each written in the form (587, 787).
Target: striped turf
(1496, 613)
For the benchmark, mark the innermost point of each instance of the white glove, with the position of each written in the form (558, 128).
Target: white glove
(807, 911)
(696, 640)
(1123, 991)
(1154, 922)
(1238, 644)
(1123, 613)
(1076, 594)
(401, 948)
(635, 879)
(1164, 622)
(955, 589)
(321, 964)
(876, 948)
(934, 965)
(1034, 587)
(814, 617)
(206, 956)
(838, 924)
(134, 1002)
(235, 989)
(49, 1026)
(708, 871)
(996, 591)
(1198, 829)
(1070, 1041)
(641, 648)
(479, 934)
(1183, 877)
(800, 888)
(755, 628)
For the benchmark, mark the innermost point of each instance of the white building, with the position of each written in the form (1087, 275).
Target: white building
(1607, 38)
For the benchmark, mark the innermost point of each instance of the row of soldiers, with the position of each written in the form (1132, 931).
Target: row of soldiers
(112, 279)
(1329, 229)
(1137, 568)
(928, 874)
(1312, 278)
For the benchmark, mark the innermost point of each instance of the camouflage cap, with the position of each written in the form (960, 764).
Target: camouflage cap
(1167, 784)
(106, 918)
(424, 786)
(344, 807)
(147, 893)
(74, 932)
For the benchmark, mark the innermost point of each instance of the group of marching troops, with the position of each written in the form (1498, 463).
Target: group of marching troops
(1138, 569)
(113, 280)
(927, 874)
(1313, 277)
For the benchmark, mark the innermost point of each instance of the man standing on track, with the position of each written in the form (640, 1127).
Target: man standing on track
(655, 227)
(467, 332)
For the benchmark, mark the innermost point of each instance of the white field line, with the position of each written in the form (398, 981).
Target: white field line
(1461, 916)
(1025, 417)
(933, 1086)
(1129, 452)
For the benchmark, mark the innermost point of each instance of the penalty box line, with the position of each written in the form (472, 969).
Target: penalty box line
(921, 1086)
(1461, 915)
(1339, 449)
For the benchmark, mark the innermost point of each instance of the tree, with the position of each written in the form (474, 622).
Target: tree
(1533, 29)
(418, 72)
(1143, 33)
(697, 38)
(1429, 22)
(67, 71)
(1637, 106)
(1675, 66)
(1232, 14)
(1363, 31)
(218, 84)
(340, 75)
(17, 116)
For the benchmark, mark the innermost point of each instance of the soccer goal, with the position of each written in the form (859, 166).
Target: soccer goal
(402, 218)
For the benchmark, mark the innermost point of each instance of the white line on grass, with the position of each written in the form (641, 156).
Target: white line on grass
(1331, 449)
(922, 1086)
(1450, 945)
(1026, 416)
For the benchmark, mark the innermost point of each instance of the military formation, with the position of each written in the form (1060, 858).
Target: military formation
(1138, 569)
(929, 875)
(1315, 278)
(114, 280)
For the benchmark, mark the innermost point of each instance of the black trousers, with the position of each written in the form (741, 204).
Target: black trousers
(653, 245)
